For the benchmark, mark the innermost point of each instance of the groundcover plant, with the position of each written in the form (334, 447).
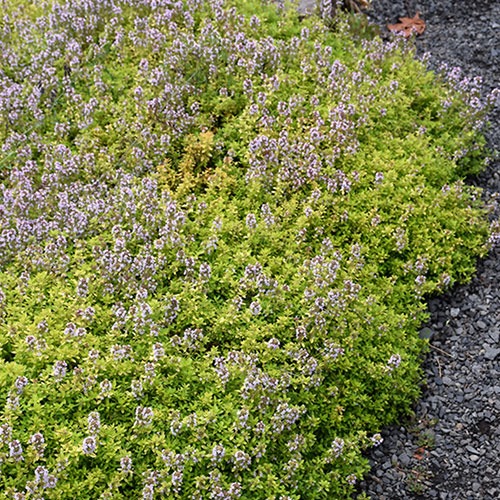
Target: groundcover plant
(218, 226)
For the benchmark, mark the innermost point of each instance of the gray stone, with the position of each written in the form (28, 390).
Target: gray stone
(494, 335)
(471, 449)
(491, 353)
(386, 465)
(404, 459)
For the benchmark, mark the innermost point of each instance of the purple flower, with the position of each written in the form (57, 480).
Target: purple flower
(260, 427)
(445, 279)
(175, 426)
(149, 369)
(394, 362)
(351, 479)
(296, 443)
(89, 445)
(400, 237)
(420, 280)
(205, 271)
(273, 344)
(255, 308)
(221, 369)
(177, 477)
(80, 332)
(300, 332)
(191, 420)
(105, 387)
(218, 453)
(251, 221)
(192, 337)
(235, 490)
(267, 214)
(16, 450)
(12, 402)
(217, 224)
(168, 458)
(211, 244)
(158, 351)
(41, 475)
(38, 442)
(337, 447)
(88, 313)
(51, 482)
(93, 355)
(284, 417)
(70, 330)
(94, 423)
(83, 287)
(241, 460)
(377, 439)
(148, 492)
(254, 109)
(59, 370)
(126, 464)
(171, 310)
(143, 416)
(137, 389)
(243, 415)
(237, 302)
(20, 384)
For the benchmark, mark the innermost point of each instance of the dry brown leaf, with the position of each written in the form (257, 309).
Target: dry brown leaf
(408, 25)
(420, 453)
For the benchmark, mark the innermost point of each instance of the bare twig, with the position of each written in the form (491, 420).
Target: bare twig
(439, 369)
(441, 351)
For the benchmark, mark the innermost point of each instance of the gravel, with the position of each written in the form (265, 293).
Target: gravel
(449, 449)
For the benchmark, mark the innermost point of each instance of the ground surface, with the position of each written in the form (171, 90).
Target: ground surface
(449, 451)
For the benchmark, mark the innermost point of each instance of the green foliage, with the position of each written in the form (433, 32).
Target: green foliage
(245, 215)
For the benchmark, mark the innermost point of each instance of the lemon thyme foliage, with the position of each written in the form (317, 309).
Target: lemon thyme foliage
(218, 226)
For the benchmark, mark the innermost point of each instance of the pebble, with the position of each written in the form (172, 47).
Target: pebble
(404, 459)
(494, 335)
(491, 353)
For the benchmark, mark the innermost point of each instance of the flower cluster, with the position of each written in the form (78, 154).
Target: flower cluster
(393, 362)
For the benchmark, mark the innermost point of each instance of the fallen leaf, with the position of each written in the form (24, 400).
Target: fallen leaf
(420, 453)
(408, 25)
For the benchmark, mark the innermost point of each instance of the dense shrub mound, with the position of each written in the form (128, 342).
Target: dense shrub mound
(218, 225)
